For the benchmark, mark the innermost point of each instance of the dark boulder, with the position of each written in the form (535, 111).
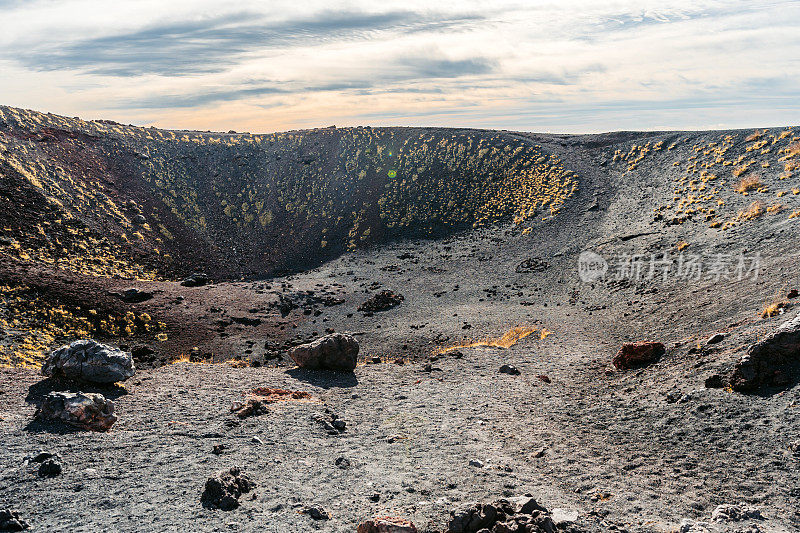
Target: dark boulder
(223, 490)
(767, 362)
(88, 360)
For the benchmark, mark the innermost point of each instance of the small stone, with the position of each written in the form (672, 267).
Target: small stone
(317, 513)
(218, 449)
(387, 524)
(50, 468)
(715, 338)
(476, 463)
(342, 462)
(510, 370)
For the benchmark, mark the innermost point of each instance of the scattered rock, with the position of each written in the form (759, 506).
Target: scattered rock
(342, 462)
(764, 362)
(330, 422)
(134, 295)
(532, 265)
(12, 521)
(223, 490)
(382, 301)
(543, 378)
(50, 468)
(86, 411)
(509, 369)
(476, 463)
(792, 294)
(88, 360)
(387, 524)
(337, 351)
(734, 513)
(217, 449)
(637, 354)
(715, 338)
(198, 279)
(251, 407)
(317, 513)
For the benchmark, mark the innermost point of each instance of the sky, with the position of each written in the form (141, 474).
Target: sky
(570, 66)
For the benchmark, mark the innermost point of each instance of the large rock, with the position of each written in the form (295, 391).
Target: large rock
(518, 515)
(223, 490)
(387, 524)
(336, 351)
(87, 360)
(636, 354)
(86, 411)
(765, 361)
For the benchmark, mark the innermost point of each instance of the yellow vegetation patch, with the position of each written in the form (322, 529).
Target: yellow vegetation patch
(507, 340)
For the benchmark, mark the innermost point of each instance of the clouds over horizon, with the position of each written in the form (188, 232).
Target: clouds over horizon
(621, 63)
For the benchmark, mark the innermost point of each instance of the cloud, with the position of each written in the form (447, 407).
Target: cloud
(213, 44)
(383, 77)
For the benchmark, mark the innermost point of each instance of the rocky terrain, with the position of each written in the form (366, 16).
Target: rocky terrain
(447, 255)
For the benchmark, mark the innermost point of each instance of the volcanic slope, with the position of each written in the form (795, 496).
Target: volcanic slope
(486, 256)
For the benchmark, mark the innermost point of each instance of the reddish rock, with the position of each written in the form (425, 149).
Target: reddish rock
(387, 524)
(635, 354)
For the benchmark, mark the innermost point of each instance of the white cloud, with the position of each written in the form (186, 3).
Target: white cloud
(563, 66)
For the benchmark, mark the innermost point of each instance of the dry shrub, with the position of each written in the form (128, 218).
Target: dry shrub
(754, 210)
(749, 183)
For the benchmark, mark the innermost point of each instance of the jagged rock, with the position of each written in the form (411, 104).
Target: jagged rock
(251, 407)
(387, 524)
(223, 490)
(86, 411)
(636, 354)
(517, 515)
(764, 361)
(88, 360)
(337, 351)
(715, 338)
(382, 301)
(198, 279)
(11, 521)
(734, 513)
